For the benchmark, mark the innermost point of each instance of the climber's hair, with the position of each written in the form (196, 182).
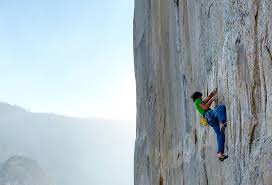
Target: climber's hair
(196, 95)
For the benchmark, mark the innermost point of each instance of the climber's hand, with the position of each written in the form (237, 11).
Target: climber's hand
(213, 92)
(214, 98)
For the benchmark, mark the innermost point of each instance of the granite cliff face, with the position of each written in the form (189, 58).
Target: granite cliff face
(182, 46)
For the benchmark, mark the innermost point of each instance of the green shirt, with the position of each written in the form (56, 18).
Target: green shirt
(200, 110)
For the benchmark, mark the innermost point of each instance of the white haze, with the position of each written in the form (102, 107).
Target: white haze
(71, 151)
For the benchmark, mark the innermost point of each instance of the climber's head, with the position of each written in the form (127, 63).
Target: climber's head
(196, 95)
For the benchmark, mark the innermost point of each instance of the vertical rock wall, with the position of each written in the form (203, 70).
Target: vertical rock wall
(182, 46)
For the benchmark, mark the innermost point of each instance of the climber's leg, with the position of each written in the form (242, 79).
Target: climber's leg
(220, 136)
(220, 113)
(220, 139)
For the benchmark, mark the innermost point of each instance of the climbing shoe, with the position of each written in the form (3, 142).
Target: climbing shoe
(222, 157)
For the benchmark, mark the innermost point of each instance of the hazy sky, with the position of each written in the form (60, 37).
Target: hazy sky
(71, 57)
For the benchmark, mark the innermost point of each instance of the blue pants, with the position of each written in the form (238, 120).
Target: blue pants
(214, 117)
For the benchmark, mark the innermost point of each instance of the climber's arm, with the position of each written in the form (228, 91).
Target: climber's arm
(210, 96)
(206, 106)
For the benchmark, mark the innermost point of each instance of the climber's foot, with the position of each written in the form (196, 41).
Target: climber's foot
(222, 157)
(223, 126)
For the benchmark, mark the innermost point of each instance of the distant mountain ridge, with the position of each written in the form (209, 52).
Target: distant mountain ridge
(5, 108)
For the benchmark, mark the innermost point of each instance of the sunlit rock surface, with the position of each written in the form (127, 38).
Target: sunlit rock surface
(182, 46)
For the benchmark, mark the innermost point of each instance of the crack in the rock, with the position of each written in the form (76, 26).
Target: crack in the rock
(270, 54)
(251, 137)
(209, 11)
(176, 2)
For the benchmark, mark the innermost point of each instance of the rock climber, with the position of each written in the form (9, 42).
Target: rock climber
(215, 118)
